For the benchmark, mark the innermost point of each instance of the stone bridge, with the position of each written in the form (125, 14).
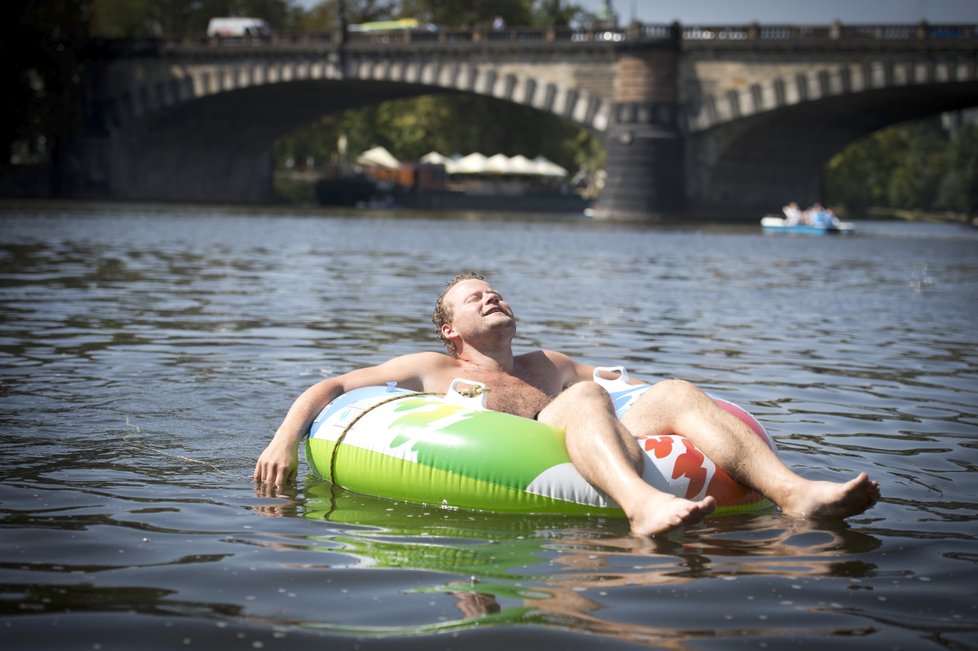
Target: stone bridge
(717, 122)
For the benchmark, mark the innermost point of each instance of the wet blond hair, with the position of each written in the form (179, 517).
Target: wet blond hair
(443, 313)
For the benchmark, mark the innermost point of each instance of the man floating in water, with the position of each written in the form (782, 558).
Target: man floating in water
(478, 326)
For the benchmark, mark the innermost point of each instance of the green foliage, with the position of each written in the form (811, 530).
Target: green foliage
(445, 13)
(40, 64)
(470, 13)
(324, 17)
(912, 166)
(556, 13)
(180, 18)
(958, 189)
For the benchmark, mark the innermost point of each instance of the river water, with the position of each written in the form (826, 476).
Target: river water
(149, 352)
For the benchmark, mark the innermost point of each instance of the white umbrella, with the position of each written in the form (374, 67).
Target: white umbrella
(378, 157)
(499, 164)
(548, 168)
(474, 163)
(522, 166)
(434, 158)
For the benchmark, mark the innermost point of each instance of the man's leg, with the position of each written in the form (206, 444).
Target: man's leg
(678, 407)
(608, 456)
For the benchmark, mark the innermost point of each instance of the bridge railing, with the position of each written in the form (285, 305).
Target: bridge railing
(225, 46)
(394, 38)
(691, 35)
(646, 32)
(836, 31)
(513, 35)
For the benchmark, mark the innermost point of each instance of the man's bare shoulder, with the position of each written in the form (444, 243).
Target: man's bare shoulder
(544, 356)
(540, 355)
(428, 359)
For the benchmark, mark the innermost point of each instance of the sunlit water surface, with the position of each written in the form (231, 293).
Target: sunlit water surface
(148, 353)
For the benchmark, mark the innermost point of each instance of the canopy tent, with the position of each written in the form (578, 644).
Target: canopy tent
(378, 157)
(477, 163)
(474, 163)
(498, 164)
(434, 158)
(548, 168)
(522, 166)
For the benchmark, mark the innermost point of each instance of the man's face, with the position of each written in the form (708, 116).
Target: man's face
(477, 307)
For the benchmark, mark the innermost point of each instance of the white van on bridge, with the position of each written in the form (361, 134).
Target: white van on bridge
(238, 27)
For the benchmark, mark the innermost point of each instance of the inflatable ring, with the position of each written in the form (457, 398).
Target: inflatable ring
(450, 451)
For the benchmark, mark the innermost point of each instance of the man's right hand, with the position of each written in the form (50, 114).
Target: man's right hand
(278, 464)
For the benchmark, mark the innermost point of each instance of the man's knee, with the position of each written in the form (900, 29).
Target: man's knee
(587, 393)
(576, 401)
(674, 389)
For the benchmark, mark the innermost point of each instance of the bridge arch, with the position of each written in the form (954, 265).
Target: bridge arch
(168, 86)
(173, 124)
(753, 149)
(500, 81)
(825, 81)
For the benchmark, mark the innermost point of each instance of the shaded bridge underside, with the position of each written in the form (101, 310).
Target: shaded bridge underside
(218, 147)
(759, 163)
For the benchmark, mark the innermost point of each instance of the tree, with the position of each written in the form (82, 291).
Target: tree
(920, 167)
(854, 178)
(958, 190)
(181, 18)
(41, 74)
(557, 13)
(911, 166)
(468, 13)
(323, 17)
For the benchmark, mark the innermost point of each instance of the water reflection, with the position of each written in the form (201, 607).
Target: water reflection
(504, 570)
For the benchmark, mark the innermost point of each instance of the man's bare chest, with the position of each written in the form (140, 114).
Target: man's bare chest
(513, 394)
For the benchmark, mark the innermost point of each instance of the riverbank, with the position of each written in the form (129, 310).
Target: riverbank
(934, 217)
(360, 192)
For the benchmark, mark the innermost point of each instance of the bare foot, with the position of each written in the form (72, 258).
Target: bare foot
(665, 512)
(827, 499)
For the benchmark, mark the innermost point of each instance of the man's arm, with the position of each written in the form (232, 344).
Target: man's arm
(280, 459)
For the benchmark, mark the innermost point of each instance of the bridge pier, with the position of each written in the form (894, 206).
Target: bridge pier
(644, 143)
(199, 163)
(645, 175)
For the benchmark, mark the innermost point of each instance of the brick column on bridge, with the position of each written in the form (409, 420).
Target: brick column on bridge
(644, 143)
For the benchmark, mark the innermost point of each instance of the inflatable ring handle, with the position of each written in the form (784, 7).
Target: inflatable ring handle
(619, 383)
(474, 398)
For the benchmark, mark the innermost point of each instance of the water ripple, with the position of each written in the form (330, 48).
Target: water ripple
(148, 353)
